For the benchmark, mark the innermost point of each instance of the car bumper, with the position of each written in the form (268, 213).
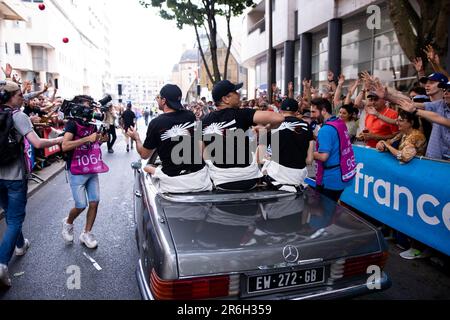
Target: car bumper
(337, 291)
(144, 289)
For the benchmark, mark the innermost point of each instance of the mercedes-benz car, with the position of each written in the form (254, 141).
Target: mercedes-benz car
(262, 244)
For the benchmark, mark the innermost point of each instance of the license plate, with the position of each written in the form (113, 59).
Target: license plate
(283, 280)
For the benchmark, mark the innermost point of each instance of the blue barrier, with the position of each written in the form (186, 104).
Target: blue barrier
(413, 198)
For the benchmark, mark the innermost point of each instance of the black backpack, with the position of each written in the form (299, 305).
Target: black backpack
(10, 146)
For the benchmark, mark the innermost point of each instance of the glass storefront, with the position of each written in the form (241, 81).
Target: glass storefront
(261, 74)
(376, 51)
(297, 67)
(319, 62)
(280, 70)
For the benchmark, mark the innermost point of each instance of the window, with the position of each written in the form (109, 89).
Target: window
(319, 63)
(280, 69)
(261, 74)
(297, 67)
(17, 48)
(377, 51)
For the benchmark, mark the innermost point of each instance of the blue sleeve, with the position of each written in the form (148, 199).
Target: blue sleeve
(325, 139)
(432, 106)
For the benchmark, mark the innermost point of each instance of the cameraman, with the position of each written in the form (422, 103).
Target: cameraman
(84, 163)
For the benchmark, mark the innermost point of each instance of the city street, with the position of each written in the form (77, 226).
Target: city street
(42, 273)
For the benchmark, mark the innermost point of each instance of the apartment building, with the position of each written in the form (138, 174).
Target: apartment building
(36, 48)
(311, 37)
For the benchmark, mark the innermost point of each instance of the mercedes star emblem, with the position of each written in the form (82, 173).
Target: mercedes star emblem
(290, 254)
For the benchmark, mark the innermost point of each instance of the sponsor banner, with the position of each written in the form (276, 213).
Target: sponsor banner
(413, 198)
(52, 150)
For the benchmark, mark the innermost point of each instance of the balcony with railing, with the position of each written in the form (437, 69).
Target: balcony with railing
(259, 25)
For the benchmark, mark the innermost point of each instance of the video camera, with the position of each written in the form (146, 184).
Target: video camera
(77, 109)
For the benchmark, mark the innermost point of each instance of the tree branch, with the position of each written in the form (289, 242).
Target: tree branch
(406, 37)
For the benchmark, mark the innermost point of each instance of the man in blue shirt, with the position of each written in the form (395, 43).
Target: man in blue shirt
(328, 152)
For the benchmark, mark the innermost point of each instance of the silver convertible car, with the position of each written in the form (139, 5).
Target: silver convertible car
(261, 244)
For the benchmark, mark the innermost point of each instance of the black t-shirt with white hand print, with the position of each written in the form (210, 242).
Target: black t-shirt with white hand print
(174, 133)
(221, 125)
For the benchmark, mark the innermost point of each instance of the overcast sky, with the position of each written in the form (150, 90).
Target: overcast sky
(143, 42)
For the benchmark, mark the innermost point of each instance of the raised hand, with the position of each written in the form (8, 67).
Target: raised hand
(8, 70)
(418, 64)
(306, 84)
(380, 89)
(341, 80)
(330, 76)
(432, 56)
(408, 106)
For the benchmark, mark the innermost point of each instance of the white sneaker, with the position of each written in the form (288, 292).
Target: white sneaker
(415, 254)
(88, 239)
(67, 231)
(22, 251)
(4, 276)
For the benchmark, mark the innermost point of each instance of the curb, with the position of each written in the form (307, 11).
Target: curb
(33, 191)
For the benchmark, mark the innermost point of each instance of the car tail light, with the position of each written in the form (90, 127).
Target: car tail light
(194, 288)
(359, 265)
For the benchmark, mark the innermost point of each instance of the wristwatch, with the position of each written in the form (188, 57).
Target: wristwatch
(399, 156)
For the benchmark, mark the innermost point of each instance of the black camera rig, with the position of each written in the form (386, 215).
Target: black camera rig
(87, 113)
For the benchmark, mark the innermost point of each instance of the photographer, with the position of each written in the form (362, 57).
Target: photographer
(84, 163)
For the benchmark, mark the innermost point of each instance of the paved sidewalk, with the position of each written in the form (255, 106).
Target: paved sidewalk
(45, 176)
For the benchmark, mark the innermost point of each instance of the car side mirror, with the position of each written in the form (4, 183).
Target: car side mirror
(136, 165)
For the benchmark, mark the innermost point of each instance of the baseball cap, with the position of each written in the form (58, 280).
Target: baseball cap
(172, 93)
(9, 86)
(439, 77)
(306, 114)
(421, 98)
(372, 94)
(223, 88)
(289, 104)
(444, 85)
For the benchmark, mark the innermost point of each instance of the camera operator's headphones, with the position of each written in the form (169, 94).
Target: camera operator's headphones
(4, 96)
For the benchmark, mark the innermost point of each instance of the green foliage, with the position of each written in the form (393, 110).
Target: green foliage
(196, 12)
(201, 14)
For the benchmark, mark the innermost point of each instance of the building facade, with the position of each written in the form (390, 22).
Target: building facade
(36, 50)
(139, 89)
(10, 10)
(185, 73)
(312, 37)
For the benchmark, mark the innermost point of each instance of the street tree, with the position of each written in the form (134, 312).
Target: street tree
(415, 30)
(202, 15)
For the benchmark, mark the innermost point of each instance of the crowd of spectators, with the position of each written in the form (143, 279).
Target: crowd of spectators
(41, 104)
(415, 123)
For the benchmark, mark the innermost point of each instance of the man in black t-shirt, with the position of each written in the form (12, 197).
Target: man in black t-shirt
(128, 121)
(172, 136)
(225, 135)
(292, 145)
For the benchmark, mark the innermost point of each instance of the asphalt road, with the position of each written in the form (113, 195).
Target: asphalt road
(50, 264)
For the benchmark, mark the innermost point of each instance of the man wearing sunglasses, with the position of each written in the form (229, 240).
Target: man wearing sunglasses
(172, 136)
(377, 129)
